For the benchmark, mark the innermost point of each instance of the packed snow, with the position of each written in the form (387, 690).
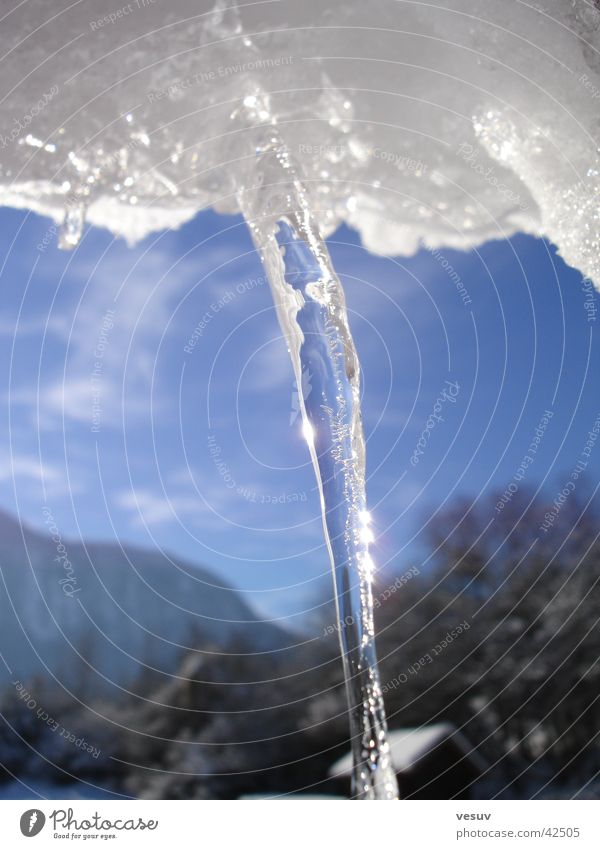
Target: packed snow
(448, 122)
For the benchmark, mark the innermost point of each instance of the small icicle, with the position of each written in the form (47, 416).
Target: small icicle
(225, 19)
(71, 229)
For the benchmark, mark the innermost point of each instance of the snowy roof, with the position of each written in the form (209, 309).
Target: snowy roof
(409, 745)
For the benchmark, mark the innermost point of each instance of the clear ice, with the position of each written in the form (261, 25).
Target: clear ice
(312, 314)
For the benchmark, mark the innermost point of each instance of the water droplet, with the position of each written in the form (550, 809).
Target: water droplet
(32, 141)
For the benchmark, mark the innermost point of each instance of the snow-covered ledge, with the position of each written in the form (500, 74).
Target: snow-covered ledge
(446, 122)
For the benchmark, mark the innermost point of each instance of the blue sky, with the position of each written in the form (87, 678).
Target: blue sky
(147, 394)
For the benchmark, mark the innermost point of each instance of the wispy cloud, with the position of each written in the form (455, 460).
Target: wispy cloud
(148, 507)
(35, 477)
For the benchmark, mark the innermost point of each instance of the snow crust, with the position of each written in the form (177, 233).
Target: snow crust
(447, 122)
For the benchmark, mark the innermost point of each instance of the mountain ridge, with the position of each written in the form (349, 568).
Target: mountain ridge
(122, 608)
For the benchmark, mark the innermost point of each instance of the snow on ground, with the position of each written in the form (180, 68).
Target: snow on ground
(29, 789)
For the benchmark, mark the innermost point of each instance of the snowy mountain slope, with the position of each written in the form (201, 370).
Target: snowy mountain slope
(119, 608)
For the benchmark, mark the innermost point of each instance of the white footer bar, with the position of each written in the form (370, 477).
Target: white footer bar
(287, 823)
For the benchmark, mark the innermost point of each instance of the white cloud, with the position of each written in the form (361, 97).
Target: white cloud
(28, 466)
(149, 507)
(30, 474)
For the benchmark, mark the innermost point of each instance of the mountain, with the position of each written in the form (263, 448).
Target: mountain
(97, 613)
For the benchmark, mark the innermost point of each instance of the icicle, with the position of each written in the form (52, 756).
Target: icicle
(72, 226)
(312, 313)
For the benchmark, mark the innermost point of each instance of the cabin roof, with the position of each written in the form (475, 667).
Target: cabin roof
(409, 745)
